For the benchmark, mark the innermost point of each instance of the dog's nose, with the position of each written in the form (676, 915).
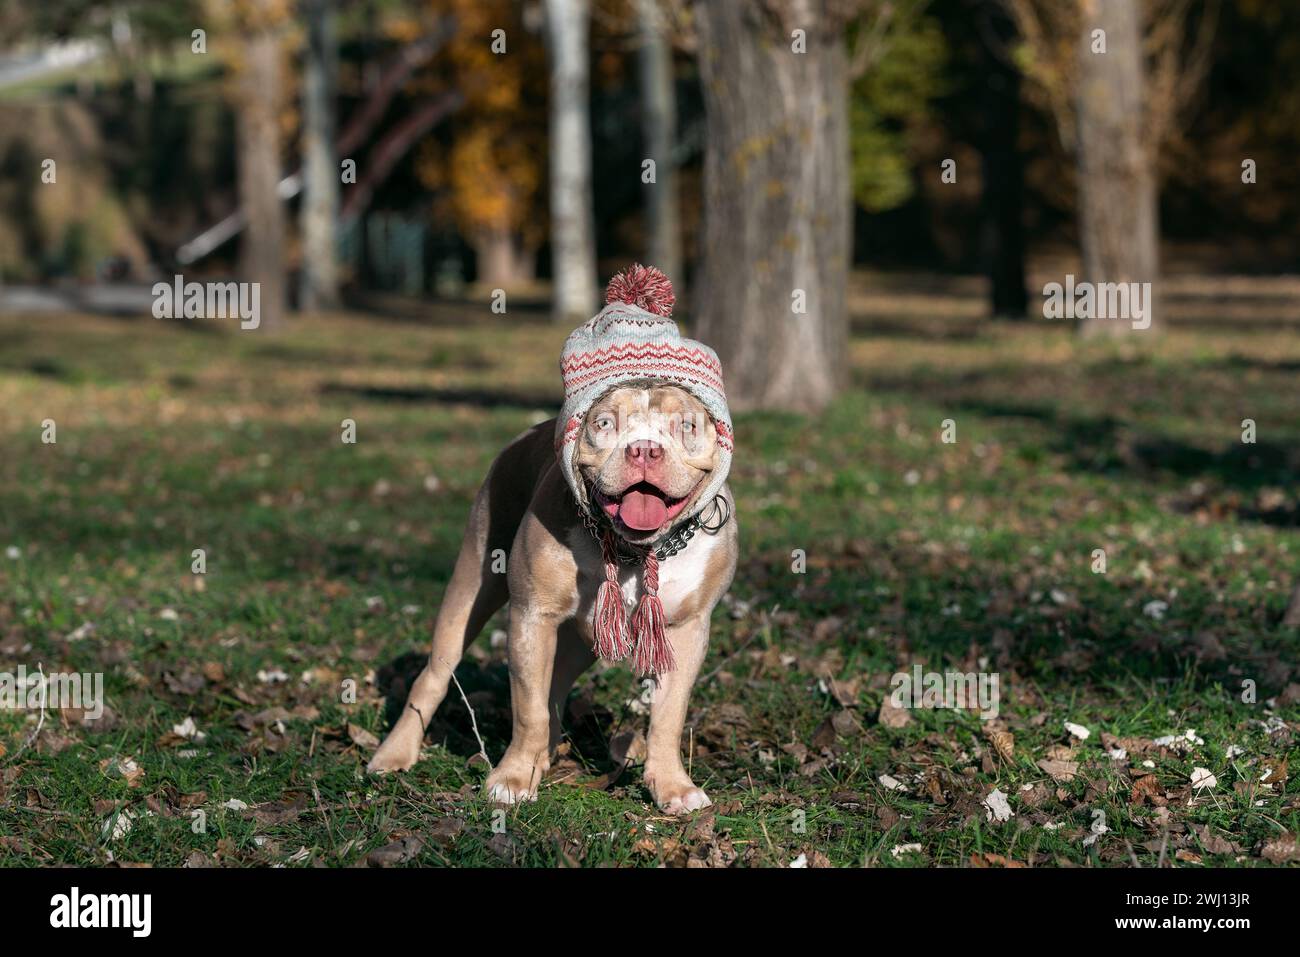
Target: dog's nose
(644, 452)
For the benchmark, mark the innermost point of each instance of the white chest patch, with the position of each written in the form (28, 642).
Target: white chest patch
(683, 574)
(679, 576)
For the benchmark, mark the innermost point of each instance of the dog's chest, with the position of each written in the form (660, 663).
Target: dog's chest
(680, 577)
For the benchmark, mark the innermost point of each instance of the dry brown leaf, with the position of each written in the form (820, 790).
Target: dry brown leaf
(1147, 786)
(446, 829)
(1004, 742)
(1282, 849)
(846, 723)
(1275, 772)
(892, 716)
(213, 671)
(935, 790)
(361, 737)
(1059, 770)
(398, 852)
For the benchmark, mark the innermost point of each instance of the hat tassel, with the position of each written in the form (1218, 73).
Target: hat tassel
(654, 655)
(612, 638)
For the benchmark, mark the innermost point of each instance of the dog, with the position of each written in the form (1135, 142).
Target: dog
(623, 495)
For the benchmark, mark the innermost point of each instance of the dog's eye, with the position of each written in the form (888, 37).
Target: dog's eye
(604, 422)
(688, 427)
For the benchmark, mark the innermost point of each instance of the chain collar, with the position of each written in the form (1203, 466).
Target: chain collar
(672, 543)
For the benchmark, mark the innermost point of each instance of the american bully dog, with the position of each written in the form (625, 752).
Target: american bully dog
(621, 536)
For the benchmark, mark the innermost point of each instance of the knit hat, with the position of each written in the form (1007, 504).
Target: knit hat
(630, 340)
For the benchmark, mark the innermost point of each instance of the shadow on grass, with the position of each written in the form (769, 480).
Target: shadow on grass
(446, 311)
(482, 398)
(1106, 444)
(587, 726)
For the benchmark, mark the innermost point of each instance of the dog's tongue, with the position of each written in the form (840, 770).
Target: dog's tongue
(642, 512)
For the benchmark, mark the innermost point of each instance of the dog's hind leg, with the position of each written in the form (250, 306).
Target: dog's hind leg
(477, 589)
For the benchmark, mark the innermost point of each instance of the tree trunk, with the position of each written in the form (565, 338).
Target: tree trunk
(659, 123)
(258, 133)
(320, 172)
(504, 262)
(1118, 217)
(573, 245)
(777, 205)
(1003, 235)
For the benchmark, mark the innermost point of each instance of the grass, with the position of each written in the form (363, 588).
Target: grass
(869, 545)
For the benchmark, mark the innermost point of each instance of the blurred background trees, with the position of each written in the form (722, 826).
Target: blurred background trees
(488, 174)
(773, 157)
(1118, 77)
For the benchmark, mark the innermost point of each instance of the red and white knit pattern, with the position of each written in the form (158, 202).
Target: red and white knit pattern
(634, 338)
(650, 360)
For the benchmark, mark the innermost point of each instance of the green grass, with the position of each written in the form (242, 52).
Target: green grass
(329, 559)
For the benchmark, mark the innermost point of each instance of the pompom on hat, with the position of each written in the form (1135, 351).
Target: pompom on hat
(634, 339)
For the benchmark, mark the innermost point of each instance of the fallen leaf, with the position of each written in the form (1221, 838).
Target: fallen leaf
(988, 859)
(446, 829)
(361, 737)
(898, 850)
(189, 731)
(1078, 731)
(1004, 743)
(398, 852)
(1060, 770)
(1275, 772)
(996, 806)
(892, 716)
(845, 723)
(1282, 849)
(118, 825)
(1144, 787)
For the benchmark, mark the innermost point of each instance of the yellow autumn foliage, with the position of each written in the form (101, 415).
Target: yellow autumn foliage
(491, 172)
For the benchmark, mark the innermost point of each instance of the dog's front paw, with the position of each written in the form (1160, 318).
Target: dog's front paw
(513, 781)
(676, 793)
(399, 752)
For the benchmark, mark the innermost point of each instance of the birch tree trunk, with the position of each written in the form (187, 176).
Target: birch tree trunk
(258, 135)
(659, 124)
(573, 244)
(320, 173)
(777, 202)
(1118, 216)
